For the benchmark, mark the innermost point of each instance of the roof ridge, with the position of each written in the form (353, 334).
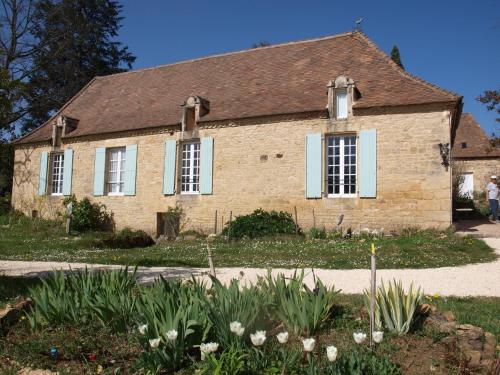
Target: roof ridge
(400, 70)
(58, 112)
(340, 35)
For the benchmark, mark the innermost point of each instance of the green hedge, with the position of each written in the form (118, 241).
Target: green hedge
(261, 223)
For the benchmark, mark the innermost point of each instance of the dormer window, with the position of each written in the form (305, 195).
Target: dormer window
(341, 104)
(340, 94)
(193, 109)
(464, 144)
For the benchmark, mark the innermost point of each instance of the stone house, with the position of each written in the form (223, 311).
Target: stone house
(325, 127)
(474, 157)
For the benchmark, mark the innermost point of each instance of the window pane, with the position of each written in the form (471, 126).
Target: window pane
(341, 104)
(57, 173)
(116, 169)
(190, 168)
(341, 165)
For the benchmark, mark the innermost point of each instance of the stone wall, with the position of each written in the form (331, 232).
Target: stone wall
(260, 163)
(481, 168)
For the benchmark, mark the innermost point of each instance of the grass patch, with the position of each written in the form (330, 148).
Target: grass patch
(13, 287)
(478, 311)
(28, 239)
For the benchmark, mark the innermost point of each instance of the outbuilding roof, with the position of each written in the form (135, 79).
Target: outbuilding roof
(279, 79)
(471, 141)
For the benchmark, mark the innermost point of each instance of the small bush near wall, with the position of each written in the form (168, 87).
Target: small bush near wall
(5, 205)
(261, 223)
(127, 239)
(89, 216)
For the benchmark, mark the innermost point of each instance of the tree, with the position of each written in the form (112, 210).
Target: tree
(396, 57)
(492, 100)
(6, 167)
(261, 44)
(16, 49)
(77, 42)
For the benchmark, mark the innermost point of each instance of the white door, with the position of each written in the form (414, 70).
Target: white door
(467, 186)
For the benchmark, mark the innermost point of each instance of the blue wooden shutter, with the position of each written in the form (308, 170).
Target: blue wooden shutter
(130, 169)
(42, 176)
(368, 163)
(206, 165)
(169, 169)
(99, 167)
(68, 171)
(313, 165)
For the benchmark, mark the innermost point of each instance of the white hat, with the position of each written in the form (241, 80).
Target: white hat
(493, 177)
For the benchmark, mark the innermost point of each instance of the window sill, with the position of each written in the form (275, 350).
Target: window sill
(115, 194)
(342, 196)
(190, 193)
(56, 194)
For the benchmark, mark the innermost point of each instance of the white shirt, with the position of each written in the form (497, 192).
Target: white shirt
(492, 191)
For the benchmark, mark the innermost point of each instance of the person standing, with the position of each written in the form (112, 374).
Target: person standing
(492, 195)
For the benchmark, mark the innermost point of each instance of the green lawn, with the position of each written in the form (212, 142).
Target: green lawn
(25, 239)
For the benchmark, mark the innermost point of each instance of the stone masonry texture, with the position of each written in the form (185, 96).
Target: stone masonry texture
(413, 188)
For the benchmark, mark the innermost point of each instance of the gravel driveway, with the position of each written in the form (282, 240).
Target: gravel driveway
(470, 280)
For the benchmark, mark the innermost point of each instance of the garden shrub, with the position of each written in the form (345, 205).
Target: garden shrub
(106, 295)
(318, 234)
(127, 239)
(89, 216)
(362, 363)
(395, 310)
(171, 306)
(303, 311)
(261, 223)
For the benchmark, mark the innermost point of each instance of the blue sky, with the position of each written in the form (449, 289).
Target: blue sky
(454, 44)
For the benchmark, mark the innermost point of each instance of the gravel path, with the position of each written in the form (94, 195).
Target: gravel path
(481, 279)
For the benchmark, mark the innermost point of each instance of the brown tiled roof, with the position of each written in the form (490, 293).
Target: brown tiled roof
(473, 136)
(279, 79)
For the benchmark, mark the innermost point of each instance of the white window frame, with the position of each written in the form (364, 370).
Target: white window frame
(190, 167)
(120, 170)
(341, 104)
(57, 174)
(342, 175)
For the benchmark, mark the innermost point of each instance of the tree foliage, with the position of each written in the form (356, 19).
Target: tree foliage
(492, 100)
(260, 44)
(77, 42)
(396, 57)
(6, 167)
(16, 50)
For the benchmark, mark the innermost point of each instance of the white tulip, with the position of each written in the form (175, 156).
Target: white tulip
(282, 337)
(240, 331)
(154, 343)
(258, 338)
(378, 336)
(309, 344)
(359, 337)
(209, 347)
(235, 326)
(331, 353)
(142, 329)
(172, 334)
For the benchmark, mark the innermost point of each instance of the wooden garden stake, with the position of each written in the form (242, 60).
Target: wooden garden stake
(296, 221)
(69, 213)
(373, 292)
(210, 260)
(230, 222)
(215, 225)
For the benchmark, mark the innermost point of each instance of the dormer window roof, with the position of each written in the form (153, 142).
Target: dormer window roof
(340, 97)
(193, 109)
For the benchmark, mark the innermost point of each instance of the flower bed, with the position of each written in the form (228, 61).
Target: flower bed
(106, 322)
